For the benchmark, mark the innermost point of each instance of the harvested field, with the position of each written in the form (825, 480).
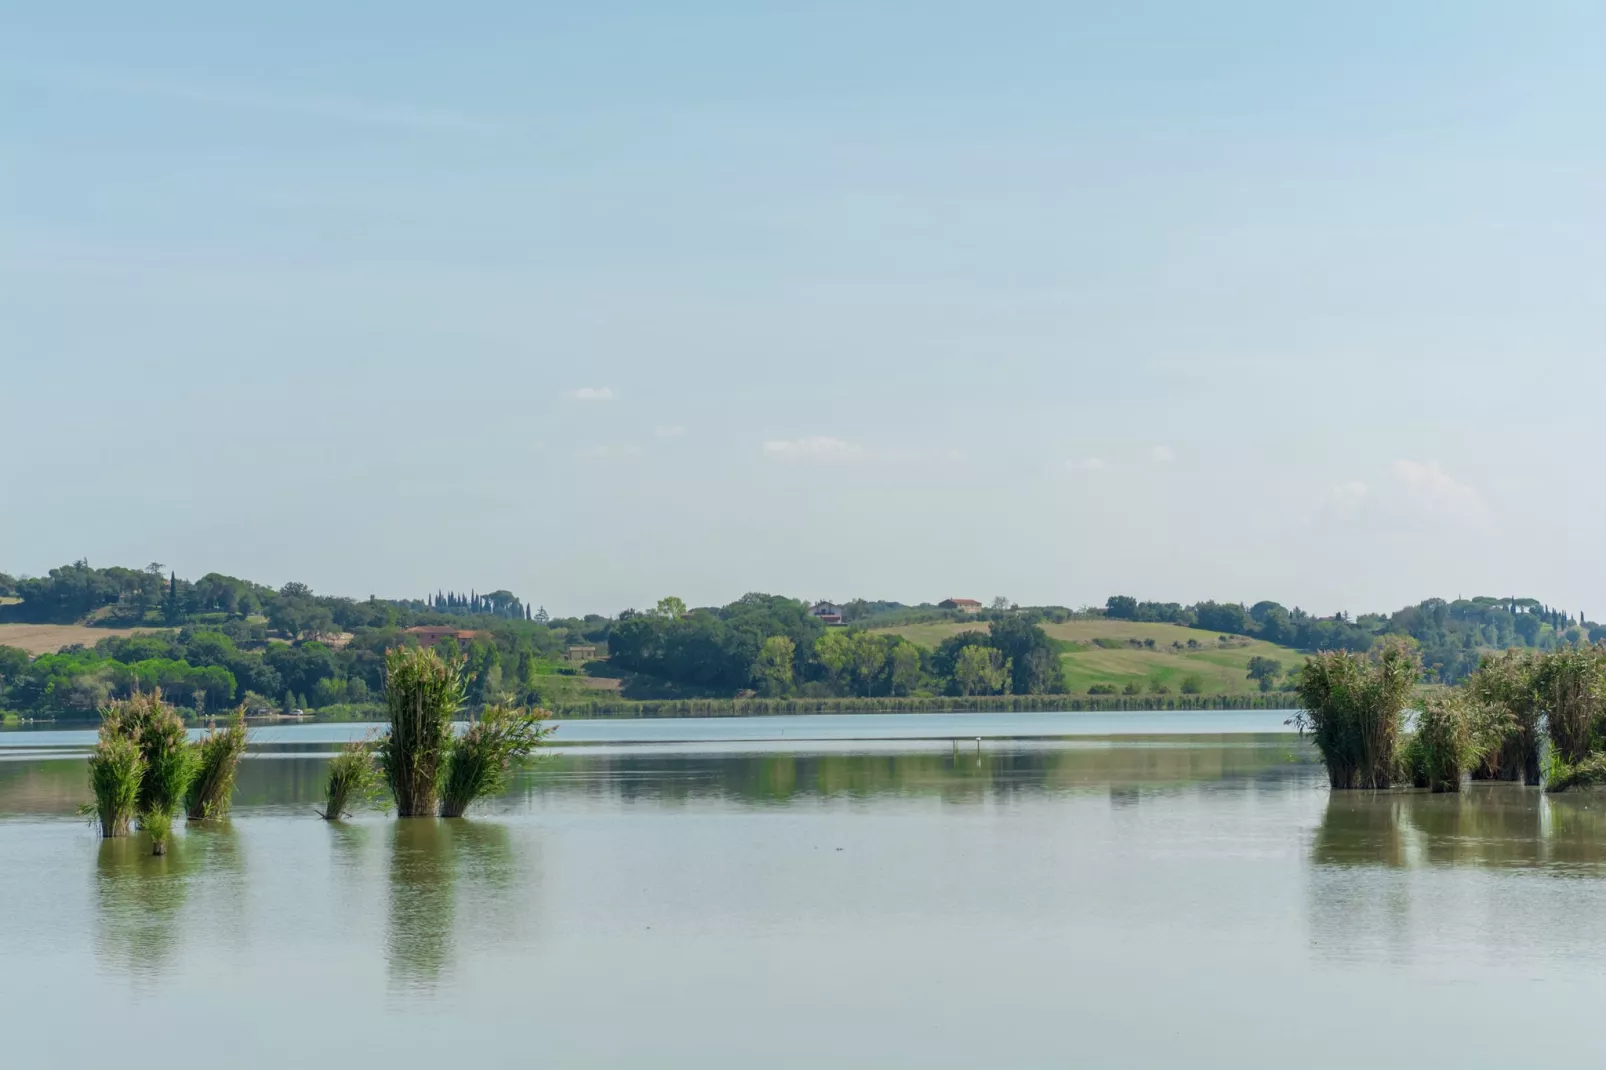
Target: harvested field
(39, 639)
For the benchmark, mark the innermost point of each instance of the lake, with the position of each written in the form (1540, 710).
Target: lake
(1175, 888)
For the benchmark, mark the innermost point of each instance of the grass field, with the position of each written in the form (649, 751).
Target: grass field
(1221, 668)
(39, 639)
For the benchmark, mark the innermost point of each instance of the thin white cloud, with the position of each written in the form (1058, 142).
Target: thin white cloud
(1435, 491)
(670, 431)
(816, 448)
(1086, 464)
(591, 393)
(331, 109)
(1162, 455)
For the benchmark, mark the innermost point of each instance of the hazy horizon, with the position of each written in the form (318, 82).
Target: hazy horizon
(1037, 300)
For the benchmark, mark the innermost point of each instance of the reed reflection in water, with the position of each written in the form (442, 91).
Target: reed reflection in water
(1396, 872)
(429, 858)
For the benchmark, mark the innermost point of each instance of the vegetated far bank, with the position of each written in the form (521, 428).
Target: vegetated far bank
(219, 642)
(765, 707)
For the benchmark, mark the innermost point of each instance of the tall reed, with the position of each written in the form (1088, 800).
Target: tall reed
(158, 825)
(352, 778)
(218, 756)
(423, 692)
(158, 731)
(1505, 682)
(115, 772)
(1454, 733)
(483, 758)
(1353, 706)
(1570, 688)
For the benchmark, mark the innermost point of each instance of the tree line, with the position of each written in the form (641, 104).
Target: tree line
(1451, 635)
(772, 646)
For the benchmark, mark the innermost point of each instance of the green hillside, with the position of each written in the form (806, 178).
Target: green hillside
(1117, 654)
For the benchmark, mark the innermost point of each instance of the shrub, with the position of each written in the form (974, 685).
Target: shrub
(218, 756)
(1192, 685)
(115, 772)
(423, 692)
(1101, 689)
(1352, 705)
(482, 760)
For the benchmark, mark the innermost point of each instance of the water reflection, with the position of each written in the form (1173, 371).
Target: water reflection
(139, 897)
(957, 774)
(1489, 826)
(1400, 876)
(428, 859)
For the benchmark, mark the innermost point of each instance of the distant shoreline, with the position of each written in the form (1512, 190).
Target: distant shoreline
(627, 709)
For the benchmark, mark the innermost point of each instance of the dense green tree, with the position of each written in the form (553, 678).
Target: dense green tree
(773, 669)
(980, 670)
(1264, 671)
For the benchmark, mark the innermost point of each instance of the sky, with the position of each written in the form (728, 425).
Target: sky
(603, 302)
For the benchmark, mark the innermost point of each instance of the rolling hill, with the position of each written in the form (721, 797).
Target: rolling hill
(1116, 653)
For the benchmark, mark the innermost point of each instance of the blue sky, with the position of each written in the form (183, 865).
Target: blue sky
(602, 302)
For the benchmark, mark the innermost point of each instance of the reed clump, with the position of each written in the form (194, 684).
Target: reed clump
(423, 692)
(1353, 707)
(115, 772)
(1561, 775)
(218, 755)
(1454, 734)
(353, 780)
(1569, 686)
(484, 757)
(1505, 682)
(168, 761)
(159, 827)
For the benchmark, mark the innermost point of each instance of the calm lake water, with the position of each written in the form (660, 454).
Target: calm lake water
(1187, 893)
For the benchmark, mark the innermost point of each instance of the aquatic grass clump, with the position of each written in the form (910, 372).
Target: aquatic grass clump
(1570, 688)
(423, 692)
(1505, 682)
(159, 732)
(484, 757)
(218, 755)
(352, 778)
(1352, 707)
(159, 826)
(1561, 775)
(1454, 733)
(115, 772)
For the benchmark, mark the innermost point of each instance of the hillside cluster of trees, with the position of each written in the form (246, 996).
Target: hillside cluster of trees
(207, 671)
(771, 645)
(1451, 635)
(233, 640)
